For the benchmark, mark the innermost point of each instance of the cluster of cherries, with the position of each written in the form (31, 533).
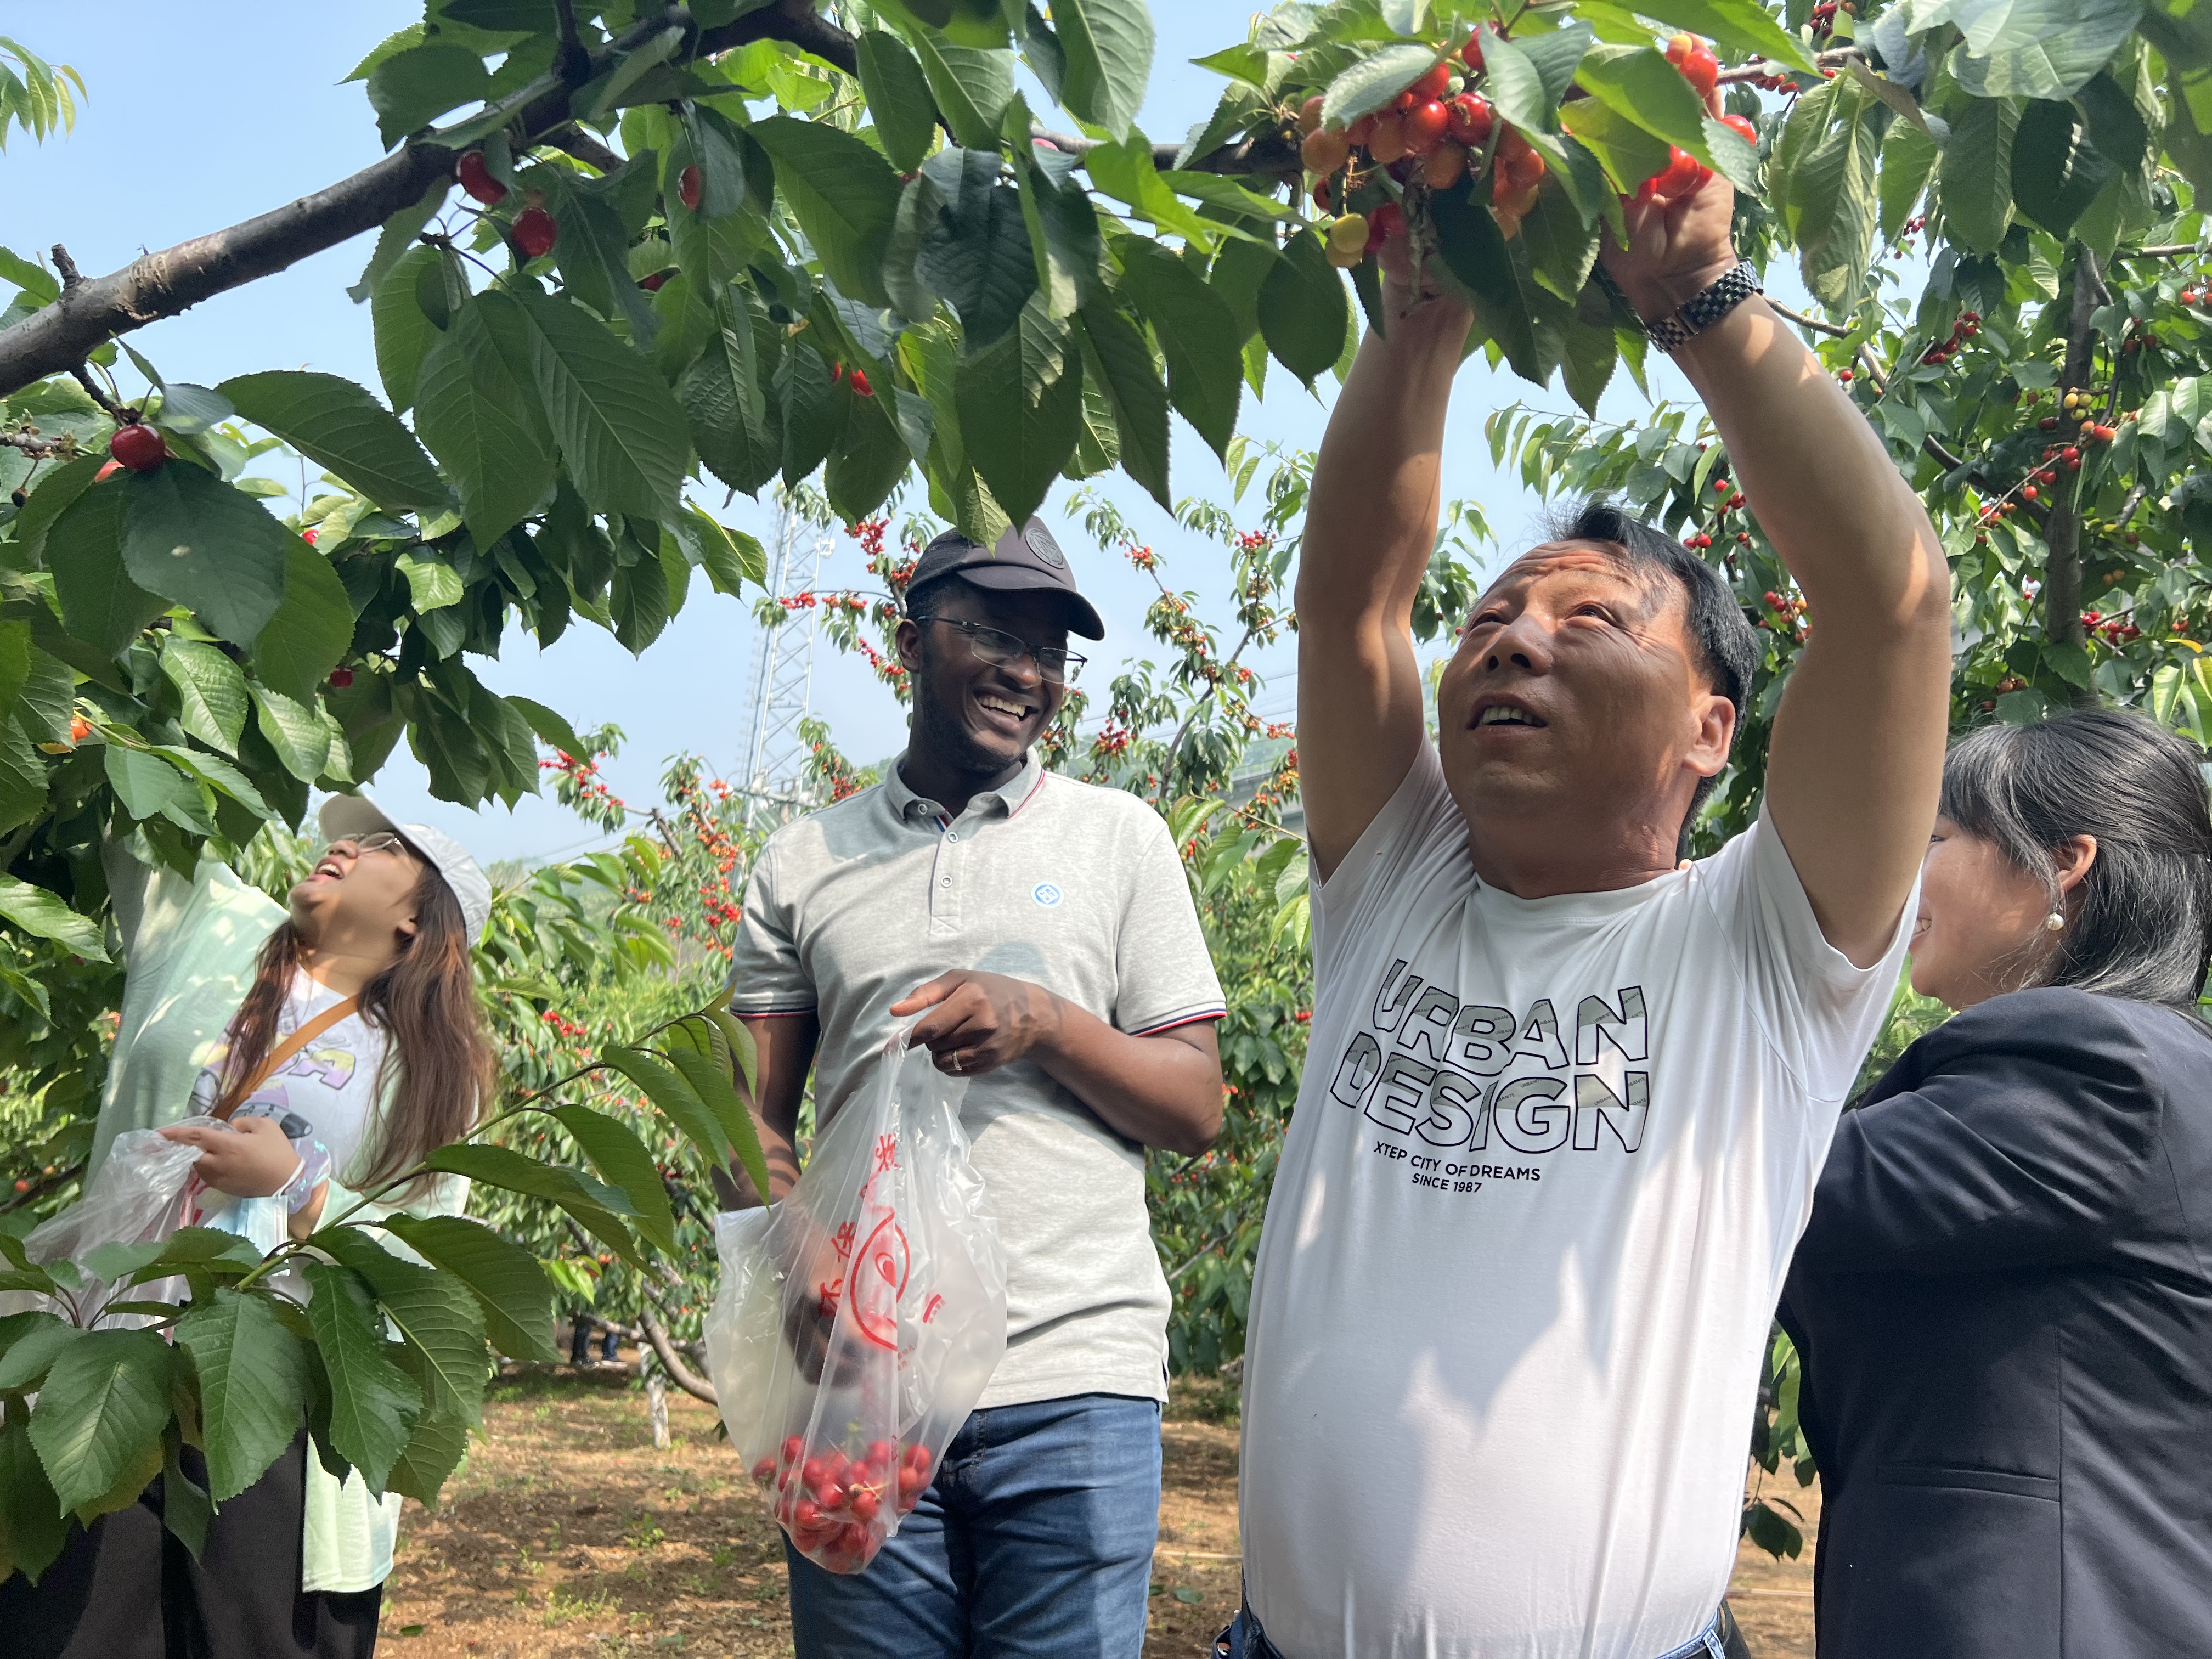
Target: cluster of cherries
(1438, 126)
(833, 1505)
(1968, 325)
(2113, 630)
(560, 1023)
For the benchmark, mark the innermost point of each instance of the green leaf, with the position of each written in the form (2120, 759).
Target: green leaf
(711, 1081)
(1527, 77)
(60, 487)
(436, 1316)
(143, 783)
(844, 195)
(294, 730)
(1744, 25)
(34, 1524)
(673, 1096)
(398, 235)
(33, 1348)
(2041, 48)
(1107, 47)
(1120, 366)
(977, 254)
(1908, 159)
(102, 1408)
(468, 408)
(1974, 180)
(434, 1450)
(592, 253)
(555, 732)
(972, 87)
(310, 633)
(622, 1161)
(100, 604)
(1302, 310)
(726, 159)
(1561, 248)
(404, 335)
(1628, 153)
(867, 466)
(251, 1386)
(616, 423)
(195, 540)
(1063, 228)
(1021, 404)
(41, 914)
(508, 1284)
(1373, 82)
(639, 602)
(1126, 171)
(186, 1509)
(731, 423)
(1505, 301)
(1643, 86)
(412, 88)
(2056, 171)
(597, 1207)
(335, 423)
(898, 98)
(1197, 333)
(1831, 203)
(374, 1405)
(211, 689)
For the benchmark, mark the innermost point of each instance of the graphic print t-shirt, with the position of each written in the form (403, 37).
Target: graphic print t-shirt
(1548, 1162)
(324, 1096)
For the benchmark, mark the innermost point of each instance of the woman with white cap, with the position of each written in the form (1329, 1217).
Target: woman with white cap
(364, 997)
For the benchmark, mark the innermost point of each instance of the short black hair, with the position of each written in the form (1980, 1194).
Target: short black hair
(2141, 926)
(1726, 644)
(920, 603)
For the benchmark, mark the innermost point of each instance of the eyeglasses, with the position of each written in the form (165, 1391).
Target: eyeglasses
(993, 645)
(382, 842)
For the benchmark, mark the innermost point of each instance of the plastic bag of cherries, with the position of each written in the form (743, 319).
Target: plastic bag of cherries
(858, 1317)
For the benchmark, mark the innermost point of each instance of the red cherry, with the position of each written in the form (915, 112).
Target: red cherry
(1468, 117)
(341, 678)
(1431, 85)
(535, 233)
(1422, 126)
(687, 188)
(652, 284)
(792, 1448)
(1741, 124)
(853, 1538)
(764, 1471)
(1702, 70)
(21, 1185)
(1684, 173)
(474, 174)
(814, 1473)
(866, 1505)
(2029, 492)
(860, 387)
(917, 1459)
(309, 534)
(880, 1453)
(805, 1513)
(1471, 53)
(138, 447)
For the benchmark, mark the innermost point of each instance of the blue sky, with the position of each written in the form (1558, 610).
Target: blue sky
(197, 118)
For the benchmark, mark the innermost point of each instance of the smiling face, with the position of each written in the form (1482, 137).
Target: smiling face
(971, 717)
(358, 901)
(1575, 714)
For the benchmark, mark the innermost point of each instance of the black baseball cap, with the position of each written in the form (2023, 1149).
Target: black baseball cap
(1021, 559)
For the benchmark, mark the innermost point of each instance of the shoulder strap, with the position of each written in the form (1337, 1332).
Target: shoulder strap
(284, 1051)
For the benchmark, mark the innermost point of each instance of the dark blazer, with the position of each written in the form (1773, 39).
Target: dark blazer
(2003, 1302)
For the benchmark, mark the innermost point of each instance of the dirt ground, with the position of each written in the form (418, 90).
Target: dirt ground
(568, 1535)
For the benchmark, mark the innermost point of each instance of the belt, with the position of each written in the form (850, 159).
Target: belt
(1720, 1640)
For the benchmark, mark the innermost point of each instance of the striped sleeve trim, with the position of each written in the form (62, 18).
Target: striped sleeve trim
(1170, 1024)
(769, 1013)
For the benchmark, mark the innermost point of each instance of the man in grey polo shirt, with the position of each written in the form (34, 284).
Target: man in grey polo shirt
(1043, 931)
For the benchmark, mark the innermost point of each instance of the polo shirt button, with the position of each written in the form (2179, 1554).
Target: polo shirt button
(944, 881)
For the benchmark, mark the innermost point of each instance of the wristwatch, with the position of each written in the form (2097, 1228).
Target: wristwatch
(1673, 331)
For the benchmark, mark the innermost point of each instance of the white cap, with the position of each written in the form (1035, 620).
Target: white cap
(345, 816)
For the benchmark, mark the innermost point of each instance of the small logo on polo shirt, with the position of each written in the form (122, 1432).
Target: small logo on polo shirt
(1047, 893)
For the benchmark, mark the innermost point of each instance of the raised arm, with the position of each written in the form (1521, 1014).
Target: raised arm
(1371, 525)
(1856, 755)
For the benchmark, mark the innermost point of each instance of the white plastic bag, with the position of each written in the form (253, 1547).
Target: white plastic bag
(858, 1320)
(137, 1196)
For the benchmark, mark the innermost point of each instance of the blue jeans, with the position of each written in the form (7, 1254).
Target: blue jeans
(1035, 1540)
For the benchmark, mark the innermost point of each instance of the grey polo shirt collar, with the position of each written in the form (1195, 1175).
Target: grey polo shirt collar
(1005, 800)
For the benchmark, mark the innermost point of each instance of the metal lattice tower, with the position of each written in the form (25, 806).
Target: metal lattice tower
(783, 674)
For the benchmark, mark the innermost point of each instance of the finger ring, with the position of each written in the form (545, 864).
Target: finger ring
(957, 1054)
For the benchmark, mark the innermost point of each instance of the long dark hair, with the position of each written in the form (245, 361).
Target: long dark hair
(2142, 921)
(426, 1001)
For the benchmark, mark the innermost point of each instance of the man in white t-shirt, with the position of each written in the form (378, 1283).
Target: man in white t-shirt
(1566, 1097)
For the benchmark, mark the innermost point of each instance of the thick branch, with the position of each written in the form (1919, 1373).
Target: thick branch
(679, 1373)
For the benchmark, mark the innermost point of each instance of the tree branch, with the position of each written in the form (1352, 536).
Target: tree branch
(2062, 530)
(679, 1373)
(1803, 321)
(157, 285)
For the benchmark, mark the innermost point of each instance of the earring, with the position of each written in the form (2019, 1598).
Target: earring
(2055, 920)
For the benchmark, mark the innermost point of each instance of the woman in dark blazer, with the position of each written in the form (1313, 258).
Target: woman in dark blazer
(2003, 1299)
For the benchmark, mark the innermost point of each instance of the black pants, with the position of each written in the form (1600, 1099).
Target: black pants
(127, 1589)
